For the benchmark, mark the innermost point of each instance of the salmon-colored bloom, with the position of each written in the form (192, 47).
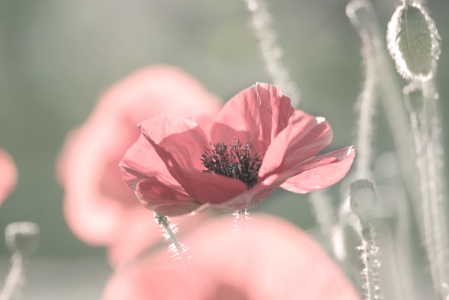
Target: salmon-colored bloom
(235, 159)
(8, 175)
(98, 206)
(274, 260)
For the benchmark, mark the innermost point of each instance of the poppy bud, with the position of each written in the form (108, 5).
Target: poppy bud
(22, 237)
(413, 42)
(363, 200)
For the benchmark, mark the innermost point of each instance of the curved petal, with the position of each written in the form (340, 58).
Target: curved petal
(304, 137)
(257, 115)
(178, 141)
(8, 175)
(211, 188)
(242, 263)
(246, 199)
(316, 173)
(141, 162)
(238, 266)
(153, 281)
(165, 200)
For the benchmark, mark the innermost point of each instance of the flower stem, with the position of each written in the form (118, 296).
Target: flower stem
(426, 133)
(15, 277)
(169, 234)
(389, 94)
(261, 20)
(367, 99)
(407, 2)
(325, 213)
(370, 272)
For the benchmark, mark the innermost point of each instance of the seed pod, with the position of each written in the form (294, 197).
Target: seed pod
(413, 42)
(364, 202)
(22, 237)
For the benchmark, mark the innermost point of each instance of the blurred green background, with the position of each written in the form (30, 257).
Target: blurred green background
(57, 56)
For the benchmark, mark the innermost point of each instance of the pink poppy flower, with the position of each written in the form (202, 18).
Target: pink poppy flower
(235, 159)
(8, 175)
(98, 206)
(274, 260)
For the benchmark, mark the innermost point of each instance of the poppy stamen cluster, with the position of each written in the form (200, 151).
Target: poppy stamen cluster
(235, 163)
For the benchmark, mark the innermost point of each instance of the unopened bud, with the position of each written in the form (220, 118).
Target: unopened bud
(363, 200)
(22, 237)
(413, 42)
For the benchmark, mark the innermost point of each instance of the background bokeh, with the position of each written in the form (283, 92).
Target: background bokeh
(57, 56)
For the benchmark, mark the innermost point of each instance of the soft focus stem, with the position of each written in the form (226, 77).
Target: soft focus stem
(438, 191)
(261, 20)
(370, 273)
(426, 132)
(325, 213)
(15, 277)
(407, 2)
(389, 93)
(164, 222)
(367, 98)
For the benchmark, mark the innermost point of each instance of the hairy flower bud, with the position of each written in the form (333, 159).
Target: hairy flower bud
(22, 237)
(413, 42)
(363, 200)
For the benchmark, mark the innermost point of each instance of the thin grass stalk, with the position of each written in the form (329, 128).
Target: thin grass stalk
(326, 217)
(15, 277)
(437, 188)
(426, 131)
(370, 272)
(176, 247)
(272, 53)
(367, 99)
(389, 93)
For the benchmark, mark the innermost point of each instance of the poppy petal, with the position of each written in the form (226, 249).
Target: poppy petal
(8, 175)
(141, 162)
(211, 188)
(178, 141)
(305, 136)
(257, 115)
(165, 200)
(318, 172)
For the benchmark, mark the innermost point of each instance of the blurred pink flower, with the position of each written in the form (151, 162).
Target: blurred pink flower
(275, 260)
(98, 206)
(165, 169)
(8, 175)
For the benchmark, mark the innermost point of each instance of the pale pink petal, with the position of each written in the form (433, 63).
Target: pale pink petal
(178, 141)
(156, 282)
(8, 175)
(246, 199)
(141, 162)
(256, 114)
(180, 144)
(211, 188)
(97, 204)
(273, 261)
(304, 137)
(318, 172)
(165, 200)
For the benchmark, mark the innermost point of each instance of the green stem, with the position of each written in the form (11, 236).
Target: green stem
(178, 248)
(15, 277)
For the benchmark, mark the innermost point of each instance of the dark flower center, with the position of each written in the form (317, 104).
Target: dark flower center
(233, 161)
